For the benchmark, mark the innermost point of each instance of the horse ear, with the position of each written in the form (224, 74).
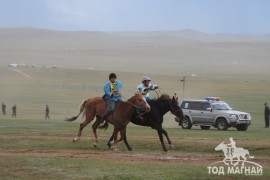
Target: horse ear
(176, 98)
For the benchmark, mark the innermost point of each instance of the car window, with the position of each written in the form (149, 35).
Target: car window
(220, 106)
(205, 106)
(196, 105)
(185, 105)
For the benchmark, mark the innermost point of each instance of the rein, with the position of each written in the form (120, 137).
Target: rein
(131, 103)
(135, 106)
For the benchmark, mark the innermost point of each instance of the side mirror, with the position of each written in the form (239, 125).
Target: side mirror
(209, 109)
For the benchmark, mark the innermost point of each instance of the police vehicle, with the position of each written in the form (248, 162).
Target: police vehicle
(212, 112)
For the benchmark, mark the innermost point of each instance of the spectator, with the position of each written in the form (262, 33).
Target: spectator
(14, 111)
(266, 115)
(4, 109)
(47, 112)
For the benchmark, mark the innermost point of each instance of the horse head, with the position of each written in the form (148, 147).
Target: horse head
(140, 101)
(221, 146)
(175, 108)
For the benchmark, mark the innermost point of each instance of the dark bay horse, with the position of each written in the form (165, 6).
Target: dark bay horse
(121, 116)
(154, 118)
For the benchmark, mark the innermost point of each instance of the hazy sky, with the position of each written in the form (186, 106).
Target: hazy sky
(210, 16)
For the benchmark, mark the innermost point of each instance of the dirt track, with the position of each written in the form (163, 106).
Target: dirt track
(132, 157)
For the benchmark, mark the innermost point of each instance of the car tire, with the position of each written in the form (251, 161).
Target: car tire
(205, 127)
(186, 123)
(242, 127)
(222, 124)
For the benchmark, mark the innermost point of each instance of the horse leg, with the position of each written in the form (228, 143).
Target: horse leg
(94, 127)
(162, 141)
(125, 139)
(82, 125)
(109, 143)
(115, 133)
(171, 147)
(159, 130)
(122, 134)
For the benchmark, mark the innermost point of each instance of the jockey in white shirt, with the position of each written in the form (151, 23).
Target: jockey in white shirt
(145, 87)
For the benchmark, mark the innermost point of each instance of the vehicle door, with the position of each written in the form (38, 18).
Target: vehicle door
(195, 111)
(206, 114)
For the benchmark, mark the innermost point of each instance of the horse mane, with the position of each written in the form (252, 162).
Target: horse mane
(164, 97)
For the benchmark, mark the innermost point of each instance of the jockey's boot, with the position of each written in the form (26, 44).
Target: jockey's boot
(106, 115)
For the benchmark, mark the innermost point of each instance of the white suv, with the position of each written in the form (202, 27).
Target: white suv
(212, 112)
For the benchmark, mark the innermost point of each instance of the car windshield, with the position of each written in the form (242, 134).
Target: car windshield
(220, 106)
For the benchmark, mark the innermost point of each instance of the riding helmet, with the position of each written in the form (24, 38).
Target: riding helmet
(146, 78)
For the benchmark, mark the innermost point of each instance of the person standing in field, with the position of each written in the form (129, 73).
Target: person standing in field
(47, 112)
(266, 115)
(3, 109)
(14, 111)
(112, 90)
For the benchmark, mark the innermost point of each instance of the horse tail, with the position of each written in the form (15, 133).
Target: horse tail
(104, 126)
(81, 110)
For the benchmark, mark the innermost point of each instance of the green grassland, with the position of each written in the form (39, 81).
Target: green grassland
(64, 89)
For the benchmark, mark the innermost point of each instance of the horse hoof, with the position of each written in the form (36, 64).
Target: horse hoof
(114, 148)
(165, 150)
(95, 145)
(171, 147)
(109, 144)
(130, 149)
(75, 139)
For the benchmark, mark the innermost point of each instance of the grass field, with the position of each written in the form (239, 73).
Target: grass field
(34, 148)
(234, 67)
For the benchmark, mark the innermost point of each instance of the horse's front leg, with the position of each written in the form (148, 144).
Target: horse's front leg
(125, 138)
(159, 130)
(115, 133)
(171, 146)
(109, 143)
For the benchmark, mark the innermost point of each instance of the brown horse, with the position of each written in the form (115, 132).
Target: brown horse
(154, 118)
(121, 116)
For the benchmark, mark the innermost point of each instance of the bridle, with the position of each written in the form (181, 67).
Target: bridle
(138, 107)
(172, 109)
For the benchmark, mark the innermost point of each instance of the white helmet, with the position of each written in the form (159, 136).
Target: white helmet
(146, 78)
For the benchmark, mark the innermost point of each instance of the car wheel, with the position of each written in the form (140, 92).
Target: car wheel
(205, 127)
(186, 124)
(222, 124)
(242, 127)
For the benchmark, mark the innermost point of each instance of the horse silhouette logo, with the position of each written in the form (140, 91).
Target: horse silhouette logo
(232, 153)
